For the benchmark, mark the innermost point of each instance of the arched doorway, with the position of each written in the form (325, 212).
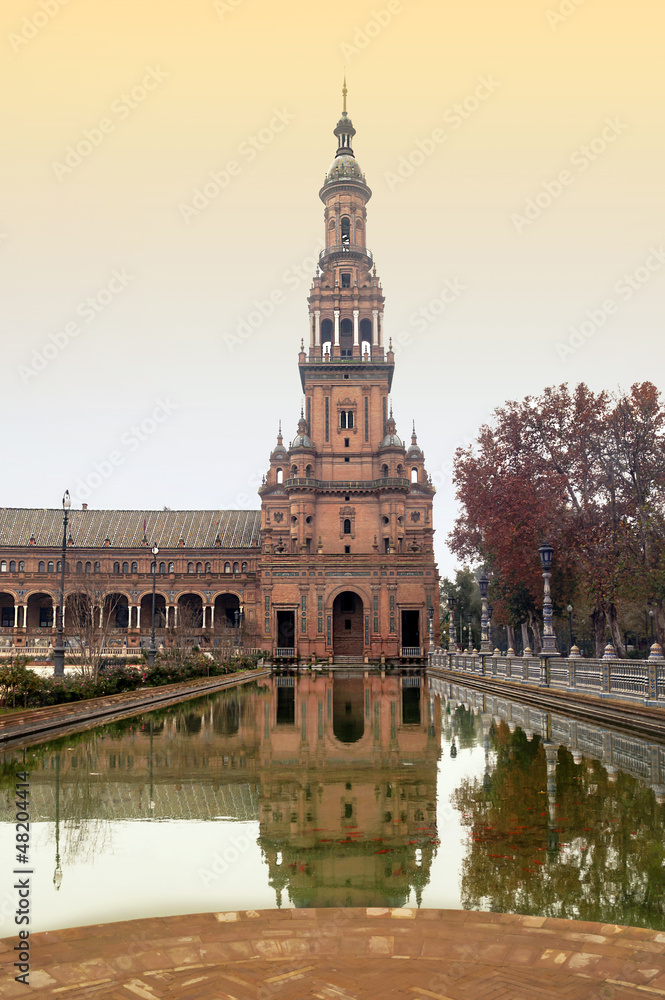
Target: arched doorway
(40, 612)
(226, 606)
(348, 624)
(146, 612)
(348, 703)
(7, 611)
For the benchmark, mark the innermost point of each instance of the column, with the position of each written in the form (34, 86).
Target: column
(15, 614)
(138, 616)
(317, 327)
(375, 327)
(175, 615)
(25, 616)
(336, 341)
(356, 328)
(212, 616)
(203, 616)
(130, 608)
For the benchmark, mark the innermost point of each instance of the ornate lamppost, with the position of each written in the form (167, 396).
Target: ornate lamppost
(546, 553)
(470, 636)
(569, 609)
(451, 624)
(651, 617)
(430, 616)
(239, 617)
(485, 646)
(152, 652)
(59, 650)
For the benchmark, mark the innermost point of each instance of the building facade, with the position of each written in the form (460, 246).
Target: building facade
(339, 561)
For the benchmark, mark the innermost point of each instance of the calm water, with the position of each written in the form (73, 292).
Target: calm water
(357, 791)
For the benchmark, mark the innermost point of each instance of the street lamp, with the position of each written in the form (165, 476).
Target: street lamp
(485, 646)
(59, 651)
(468, 622)
(239, 616)
(569, 609)
(152, 652)
(451, 624)
(430, 616)
(651, 617)
(546, 553)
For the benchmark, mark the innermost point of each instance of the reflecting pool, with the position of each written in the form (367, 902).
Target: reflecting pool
(348, 789)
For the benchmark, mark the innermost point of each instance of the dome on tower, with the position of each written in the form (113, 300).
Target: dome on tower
(344, 167)
(391, 440)
(415, 451)
(302, 438)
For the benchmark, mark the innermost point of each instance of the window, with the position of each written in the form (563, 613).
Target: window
(7, 616)
(12, 566)
(199, 567)
(348, 810)
(342, 419)
(135, 567)
(347, 526)
(98, 567)
(346, 231)
(3, 566)
(45, 618)
(308, 472)
(347, 550)
(116, 568)
(347, 442)
(414, 475)
(280, 476)
(190, 567)
(125, 567)
(171, 567)
(42, 567)
(236, 567)
(349, 419)
(227, 567)
(346, 458)
(50, 568)
(294, 471)
(88, 567)
(346, 281)
(21, 566)
(244, 567)
(79, 567)
(162, 567)
(208, 568)
(386, 545)
(384, 471)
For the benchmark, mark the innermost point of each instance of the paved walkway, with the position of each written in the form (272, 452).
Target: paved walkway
(345, 954)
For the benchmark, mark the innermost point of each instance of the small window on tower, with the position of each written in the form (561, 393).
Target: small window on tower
(346, 458)
(347, 549)
(346, 281)
(347, 442)
(349, 421)
(347, 526)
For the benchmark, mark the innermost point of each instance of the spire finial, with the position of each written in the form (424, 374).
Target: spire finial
(344, 93)
(279, 434)
(391, 408)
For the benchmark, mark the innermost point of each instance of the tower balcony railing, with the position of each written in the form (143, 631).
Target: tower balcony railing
(358, 485)
(347, 250)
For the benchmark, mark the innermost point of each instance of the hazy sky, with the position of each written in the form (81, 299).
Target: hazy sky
(515, 152)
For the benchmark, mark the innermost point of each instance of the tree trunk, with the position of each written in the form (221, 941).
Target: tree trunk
(599, 625)
(525, 635)
(511, 637)
(612, 622)
(534, 625)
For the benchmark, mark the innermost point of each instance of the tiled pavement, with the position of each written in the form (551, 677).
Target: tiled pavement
(344, 954)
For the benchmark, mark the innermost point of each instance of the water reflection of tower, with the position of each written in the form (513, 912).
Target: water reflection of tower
(348, 795)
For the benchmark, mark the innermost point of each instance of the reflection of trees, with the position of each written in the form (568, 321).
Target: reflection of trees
(608, 863)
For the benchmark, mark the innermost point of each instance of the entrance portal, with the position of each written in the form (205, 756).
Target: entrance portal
(347, 625)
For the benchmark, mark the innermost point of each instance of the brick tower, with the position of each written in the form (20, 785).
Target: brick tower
(347, 564)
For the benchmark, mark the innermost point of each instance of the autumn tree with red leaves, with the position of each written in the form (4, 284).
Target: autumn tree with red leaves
(585, 471)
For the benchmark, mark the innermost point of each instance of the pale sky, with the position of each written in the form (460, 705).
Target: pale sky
(530, 145)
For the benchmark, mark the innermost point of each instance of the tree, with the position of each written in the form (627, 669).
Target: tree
(586, 471)
(90, 620)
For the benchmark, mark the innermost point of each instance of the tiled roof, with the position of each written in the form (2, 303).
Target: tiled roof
(124, 528)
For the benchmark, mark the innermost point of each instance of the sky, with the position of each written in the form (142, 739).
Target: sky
(160, 175)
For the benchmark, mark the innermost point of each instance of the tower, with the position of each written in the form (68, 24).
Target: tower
(346, 532)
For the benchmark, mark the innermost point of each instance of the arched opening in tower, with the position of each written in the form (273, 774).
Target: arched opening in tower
(346, 338)
(347, 625)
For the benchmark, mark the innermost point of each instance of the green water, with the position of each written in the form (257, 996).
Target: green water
(352, 791)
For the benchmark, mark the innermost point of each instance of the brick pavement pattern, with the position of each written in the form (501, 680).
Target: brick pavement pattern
(344, 954)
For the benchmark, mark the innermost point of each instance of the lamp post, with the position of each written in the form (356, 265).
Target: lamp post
(59, 651)
(470, 637)
(485, 646)
(239, 616)
(430, 616)
(651, 617)
(546, 553)
(451, 624)
(152, 652)
(569, 609)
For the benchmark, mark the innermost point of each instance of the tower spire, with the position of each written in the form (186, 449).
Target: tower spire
(345, 91)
